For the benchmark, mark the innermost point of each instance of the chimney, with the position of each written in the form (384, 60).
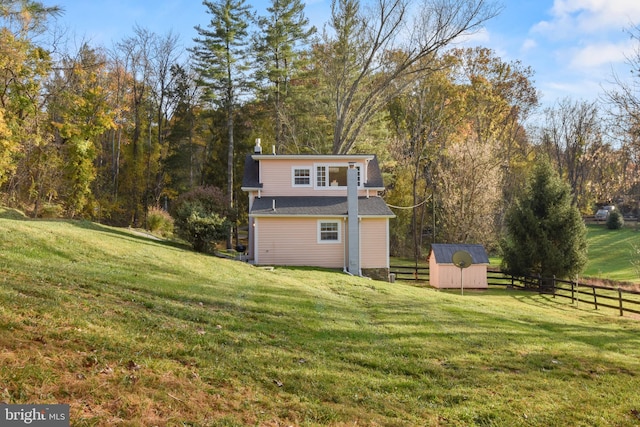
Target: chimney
(352, 220)
(257, 149)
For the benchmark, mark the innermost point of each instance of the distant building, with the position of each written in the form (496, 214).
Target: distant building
(443, 273)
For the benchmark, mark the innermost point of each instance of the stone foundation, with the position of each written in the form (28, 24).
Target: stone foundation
(376, 273)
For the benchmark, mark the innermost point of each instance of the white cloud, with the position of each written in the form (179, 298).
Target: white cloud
(569, 17)
(598, 54)
(528, 44)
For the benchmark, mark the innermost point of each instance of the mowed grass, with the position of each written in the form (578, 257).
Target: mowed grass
(613, 253)
(131, 331)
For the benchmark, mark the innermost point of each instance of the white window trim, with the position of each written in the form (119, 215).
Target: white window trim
(314, 172)
(339, 231)
(293, 176)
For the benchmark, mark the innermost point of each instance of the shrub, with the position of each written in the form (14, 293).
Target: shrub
(615, 221)
(202, 217)
(204, 230)
(51, 210)
(159, 221)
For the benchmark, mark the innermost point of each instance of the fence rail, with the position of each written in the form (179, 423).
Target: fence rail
(620, 299)
(410, 272)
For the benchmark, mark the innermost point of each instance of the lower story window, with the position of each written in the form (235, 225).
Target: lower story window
(328, 231)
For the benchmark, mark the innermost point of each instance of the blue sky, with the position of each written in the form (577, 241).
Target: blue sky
(574, 46)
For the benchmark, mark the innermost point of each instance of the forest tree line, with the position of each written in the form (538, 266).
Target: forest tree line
(108, 133)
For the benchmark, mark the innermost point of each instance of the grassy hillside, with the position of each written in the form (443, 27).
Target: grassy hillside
(612, 254)
(132, 331)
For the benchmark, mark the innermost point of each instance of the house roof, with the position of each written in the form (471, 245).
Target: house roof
(251, 176)
(318, 206)
(444, 252)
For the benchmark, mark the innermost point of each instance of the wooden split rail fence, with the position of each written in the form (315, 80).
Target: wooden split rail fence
(619, 299)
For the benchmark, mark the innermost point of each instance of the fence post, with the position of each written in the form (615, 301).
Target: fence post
(572, 293)
(595, 298)
(620, 299)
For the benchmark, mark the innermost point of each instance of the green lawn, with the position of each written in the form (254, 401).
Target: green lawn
(131, 331)
(611, 253)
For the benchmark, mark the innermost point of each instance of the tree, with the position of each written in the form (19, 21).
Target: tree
(572, 137)
(624, 103)
(24, 66)
(282, 35)
(423, 119)
(221, 59)
(545, 233)
(184, 161)
(80, 114)
(368, 60)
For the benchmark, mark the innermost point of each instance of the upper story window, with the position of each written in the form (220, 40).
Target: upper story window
(301, 177)
(333, 176)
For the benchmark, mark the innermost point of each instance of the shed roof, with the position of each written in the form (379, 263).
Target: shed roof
(443, 252)
(318, 206)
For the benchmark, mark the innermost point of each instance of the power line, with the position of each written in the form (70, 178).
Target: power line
(410, 207)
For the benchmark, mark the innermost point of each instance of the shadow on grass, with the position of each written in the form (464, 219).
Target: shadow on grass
(14, 214)
(128, 234)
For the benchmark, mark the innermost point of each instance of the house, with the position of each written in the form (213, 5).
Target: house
(444, 273)
(317, 210)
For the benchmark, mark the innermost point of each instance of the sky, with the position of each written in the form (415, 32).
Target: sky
(574, 46)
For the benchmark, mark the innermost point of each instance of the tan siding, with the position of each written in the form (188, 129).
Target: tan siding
(275, 247)
(374, 243)
(276, 177)
(448, 275)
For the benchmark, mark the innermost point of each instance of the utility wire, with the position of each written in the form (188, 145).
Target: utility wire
(410, 207)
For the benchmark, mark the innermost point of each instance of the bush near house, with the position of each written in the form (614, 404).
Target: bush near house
(202, 217)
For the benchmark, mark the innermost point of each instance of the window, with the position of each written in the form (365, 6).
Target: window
(328, 232)
(301, 177)
(333, 176)
(321, 176)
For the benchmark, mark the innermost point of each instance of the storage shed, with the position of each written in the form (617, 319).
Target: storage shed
(443, 273)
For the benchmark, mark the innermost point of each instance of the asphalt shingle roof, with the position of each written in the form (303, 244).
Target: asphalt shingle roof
(251, 176)
(444, 252)
(318, 206)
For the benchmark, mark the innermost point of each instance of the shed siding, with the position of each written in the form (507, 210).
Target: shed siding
(448, 275)
(374, 243)
(302, 249)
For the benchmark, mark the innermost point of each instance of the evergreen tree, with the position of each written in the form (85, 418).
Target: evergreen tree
(221, 59)
(282, 34)
(545, 232)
